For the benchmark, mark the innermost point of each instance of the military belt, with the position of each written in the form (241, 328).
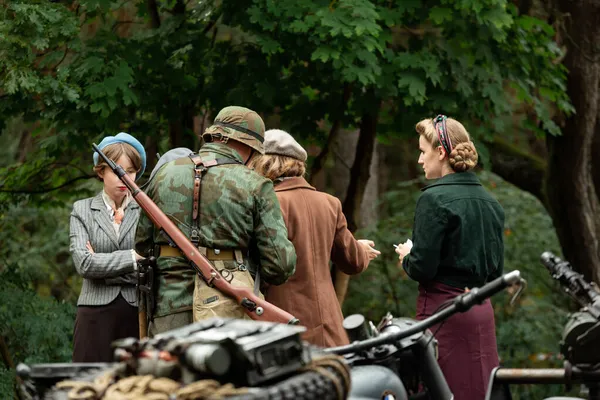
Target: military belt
(211, 254)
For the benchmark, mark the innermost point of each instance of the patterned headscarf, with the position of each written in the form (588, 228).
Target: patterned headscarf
(439, 124)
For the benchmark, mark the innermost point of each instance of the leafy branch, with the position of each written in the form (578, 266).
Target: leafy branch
(46, 190)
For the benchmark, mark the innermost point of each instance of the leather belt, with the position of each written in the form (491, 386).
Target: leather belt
(211, 254)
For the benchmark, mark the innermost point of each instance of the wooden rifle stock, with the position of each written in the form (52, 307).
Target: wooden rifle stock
(255, 307)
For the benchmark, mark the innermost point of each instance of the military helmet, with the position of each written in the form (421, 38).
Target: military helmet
(241, 124)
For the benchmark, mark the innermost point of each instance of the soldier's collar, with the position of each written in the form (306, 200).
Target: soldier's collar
(221, 150)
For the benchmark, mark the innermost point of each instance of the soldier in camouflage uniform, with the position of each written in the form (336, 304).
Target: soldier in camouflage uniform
(239, 223)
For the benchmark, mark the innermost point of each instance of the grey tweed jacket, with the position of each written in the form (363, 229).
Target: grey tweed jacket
(112, 255)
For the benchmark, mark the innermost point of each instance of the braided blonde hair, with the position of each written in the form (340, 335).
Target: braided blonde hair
(463, 156)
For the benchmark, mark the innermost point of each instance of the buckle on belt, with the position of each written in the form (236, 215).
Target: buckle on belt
(239, 258)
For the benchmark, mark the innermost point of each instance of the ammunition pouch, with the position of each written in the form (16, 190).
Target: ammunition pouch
(210, 302)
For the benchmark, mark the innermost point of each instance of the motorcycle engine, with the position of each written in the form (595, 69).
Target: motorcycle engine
(404, 357)
(580, 338)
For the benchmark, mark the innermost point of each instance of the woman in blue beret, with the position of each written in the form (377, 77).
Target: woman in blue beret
(457, 244)
(102, 239)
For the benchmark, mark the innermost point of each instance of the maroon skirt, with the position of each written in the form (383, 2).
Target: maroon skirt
(467, 341)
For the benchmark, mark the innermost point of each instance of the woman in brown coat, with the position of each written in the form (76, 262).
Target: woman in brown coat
(317, 228)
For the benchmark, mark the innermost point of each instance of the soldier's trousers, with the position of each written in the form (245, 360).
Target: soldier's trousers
(169, 322)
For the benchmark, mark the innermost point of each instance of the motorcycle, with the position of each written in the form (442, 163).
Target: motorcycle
(397, 360)
(579, 343)
(269, 361)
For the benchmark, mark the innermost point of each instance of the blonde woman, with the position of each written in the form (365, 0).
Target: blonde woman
(102, 238)
(457, 244)
(317, 228)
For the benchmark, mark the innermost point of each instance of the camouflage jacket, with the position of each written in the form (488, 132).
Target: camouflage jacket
(238, 210)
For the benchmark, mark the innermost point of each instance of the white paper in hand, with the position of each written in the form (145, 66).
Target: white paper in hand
(409, 243)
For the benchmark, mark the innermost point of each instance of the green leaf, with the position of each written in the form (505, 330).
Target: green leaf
(416, 89)
(438, 15)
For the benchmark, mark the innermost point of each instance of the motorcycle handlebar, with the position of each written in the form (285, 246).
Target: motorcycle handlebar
(461, 303)
(490, 289)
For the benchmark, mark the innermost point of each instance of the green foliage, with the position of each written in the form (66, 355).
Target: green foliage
(38, 284)
(36, 250)
(83, 70)
(527, 334)
(36, 330)
(456, 57)
(7, 383)
(72, 72)
(35, 265)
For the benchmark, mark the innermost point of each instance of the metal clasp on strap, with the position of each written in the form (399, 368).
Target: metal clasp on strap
(195, 237)
(239, 258)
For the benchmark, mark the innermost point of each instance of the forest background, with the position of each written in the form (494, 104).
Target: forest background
(349, 79)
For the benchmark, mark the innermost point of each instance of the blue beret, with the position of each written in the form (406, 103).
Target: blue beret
(130, 140)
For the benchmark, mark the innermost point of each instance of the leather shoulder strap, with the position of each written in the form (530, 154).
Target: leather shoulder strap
(200, 167)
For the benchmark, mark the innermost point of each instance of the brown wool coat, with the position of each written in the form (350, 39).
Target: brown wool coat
(317, 228)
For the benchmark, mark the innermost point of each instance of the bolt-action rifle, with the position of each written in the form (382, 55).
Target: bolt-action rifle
(255, 307)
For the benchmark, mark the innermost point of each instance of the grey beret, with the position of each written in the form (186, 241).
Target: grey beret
(281, 143)
(169, 156)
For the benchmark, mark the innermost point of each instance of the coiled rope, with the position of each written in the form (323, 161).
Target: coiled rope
(147, 387)
(321, 364)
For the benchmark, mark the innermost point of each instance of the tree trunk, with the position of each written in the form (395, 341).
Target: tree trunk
(181, 128)
(570, 189)
(25, 142)
(360, 172)
(596, 160)
(154, 15)
(524, 170)
(334, 132)
(359, 176)
(151, 147)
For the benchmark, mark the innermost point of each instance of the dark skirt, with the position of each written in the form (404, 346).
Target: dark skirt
(96, 327)
(467, 341)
